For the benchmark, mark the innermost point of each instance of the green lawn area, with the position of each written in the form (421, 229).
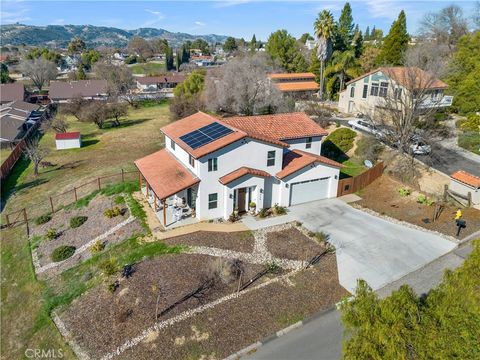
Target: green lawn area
(148, 68)
(470, 141)
(25, 301)
(4, 154)
(352, 167)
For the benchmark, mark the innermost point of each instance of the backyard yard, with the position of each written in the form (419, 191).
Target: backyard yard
(149, 69)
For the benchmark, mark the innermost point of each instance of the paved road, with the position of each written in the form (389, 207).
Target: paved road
(321, 339)
(369, 247)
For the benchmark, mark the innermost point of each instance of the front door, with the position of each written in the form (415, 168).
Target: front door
(241, 200)
(351, 104)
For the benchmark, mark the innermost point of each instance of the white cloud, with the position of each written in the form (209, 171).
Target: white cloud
(228, 3)
(158, 16)
(199, 23)
(58, 22)
(386, 8)
(154, 12)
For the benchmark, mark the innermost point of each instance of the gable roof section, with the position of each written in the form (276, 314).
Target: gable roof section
(278, 126)
(297, 86)
(237, 174)
(296, 160)
(70, 89)
(12, 92)
(165, 174)
(288, 76)
(10, 127)
(193, 122)
(404, 76)
(67, 136)
(466, 178)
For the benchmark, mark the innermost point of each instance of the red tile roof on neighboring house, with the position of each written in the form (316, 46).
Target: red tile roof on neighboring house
(237, 174)
(297, 86)
(165, 174)
(278, 126)
(67, 136)
(196, 121)
(12, 92)
(409, 77)
(296, 160)
(282, 76)
(466, 178)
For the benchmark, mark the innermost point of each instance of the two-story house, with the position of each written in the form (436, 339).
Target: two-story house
(369, 92)
(217, 165)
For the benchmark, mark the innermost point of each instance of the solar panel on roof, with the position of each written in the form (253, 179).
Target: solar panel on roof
(205, 135)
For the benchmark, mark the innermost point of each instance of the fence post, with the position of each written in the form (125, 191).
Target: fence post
(445, 192)
(75, 192)
(123, 176)
(8, 220)
(98, 179)
(26, 220)
(51, 204)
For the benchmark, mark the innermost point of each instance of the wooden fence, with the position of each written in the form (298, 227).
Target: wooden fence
(353, 184)
(56, 202)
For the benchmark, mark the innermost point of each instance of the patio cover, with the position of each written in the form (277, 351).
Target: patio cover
(164, 174)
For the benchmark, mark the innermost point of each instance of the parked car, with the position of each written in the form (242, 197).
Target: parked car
(419, 147)
(364, 125)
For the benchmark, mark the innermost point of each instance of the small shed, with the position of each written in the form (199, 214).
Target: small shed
(463, 183)
(68, 140)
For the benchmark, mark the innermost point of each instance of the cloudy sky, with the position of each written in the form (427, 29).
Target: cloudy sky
(239, 18)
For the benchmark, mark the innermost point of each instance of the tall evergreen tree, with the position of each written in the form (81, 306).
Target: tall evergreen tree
(367, 34)
(357, 42)
(169, 61)
(253, 43)
(344, 29)
(396, 43)
(372, 33)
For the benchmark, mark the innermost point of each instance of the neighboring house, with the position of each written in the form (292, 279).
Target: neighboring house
(164, 83)
(12, 92)
(16, 118)
(367, 93)
(64, 91)
(463, 183)
(310, 44)
(217, 165)
(68, 140)
(203, 60)
(300, 84)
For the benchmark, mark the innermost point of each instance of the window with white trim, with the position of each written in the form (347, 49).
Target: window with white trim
(213, 164)
(374, 89)
(212, 201)
(365, 91)
(271, 158)
(352, 91)
(191, 160)
(308, 143)
(397, 93)
(383, 89)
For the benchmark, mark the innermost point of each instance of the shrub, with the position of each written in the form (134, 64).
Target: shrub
(263, 213)
(252, 204)
(369, 148)
(298, 223)
(272, 267)
(113, 212)
(321, 236)
(43, 219)
(338, 143)
(97, 247)
(62, 252)
(422, 199)
(112, 287)
(119, 200)
(51, 234)
(225, 270)
(109, 266)
(472, 123)
(404, 192)
(279, 210)
(234, 217)
(77, 221)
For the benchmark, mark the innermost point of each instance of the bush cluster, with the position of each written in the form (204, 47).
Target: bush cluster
(109, 266)
(51, 234)
(62, 252)
(338, 143)
(279, 210)
(97, 247)
(43, 219)
(113, 212)
(77, 221)
(404, 192)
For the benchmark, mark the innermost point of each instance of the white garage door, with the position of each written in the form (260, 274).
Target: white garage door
(309, 190)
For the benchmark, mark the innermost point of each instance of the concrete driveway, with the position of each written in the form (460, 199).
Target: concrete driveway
(369, 247)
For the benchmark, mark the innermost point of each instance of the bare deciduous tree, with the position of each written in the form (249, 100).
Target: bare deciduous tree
(242, 87)
(40, 70)
(119, 78)
(96, 112)
(35, 153)
(116, 110)
(58, 124)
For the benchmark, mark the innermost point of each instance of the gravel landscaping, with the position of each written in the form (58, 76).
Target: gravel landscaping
(237, 241)
(95, 225)
(292, 244)
(101, 320)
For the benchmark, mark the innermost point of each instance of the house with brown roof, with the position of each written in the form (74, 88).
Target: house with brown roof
(12, 92)
(16, 118)
(65, 91)
(368, 92)
(298, 84)
(212, 166)
(159, 84)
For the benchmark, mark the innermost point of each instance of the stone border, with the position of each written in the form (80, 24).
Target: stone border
(404, 223)
(60, 325)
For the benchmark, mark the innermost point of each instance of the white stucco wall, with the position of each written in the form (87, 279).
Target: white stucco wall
(68, 144)
(300, 144)
(463, 189)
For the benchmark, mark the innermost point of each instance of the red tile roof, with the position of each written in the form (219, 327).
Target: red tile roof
(466, 178)
(297, 86)
(296, 160)
(165, 174)
(67, 136)
(409, 77)
(237, 174)
(305, 75)
(200, 119)
(278, 126)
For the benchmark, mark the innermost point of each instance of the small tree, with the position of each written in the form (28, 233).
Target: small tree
(95, 112)
(58, 124)
(117, 110)
(35, 153)
(40, 70)
(119, 78)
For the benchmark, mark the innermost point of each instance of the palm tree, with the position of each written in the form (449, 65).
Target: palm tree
(323, 26)
(344, 66)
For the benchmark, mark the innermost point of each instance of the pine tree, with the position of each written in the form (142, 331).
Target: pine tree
(372, 33)
(357, 42)
(253, 43)
(178, 60)
(344, 29)
(395, 44)
(169, 59)
(367, 34)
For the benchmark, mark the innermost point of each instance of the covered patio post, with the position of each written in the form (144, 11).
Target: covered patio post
(164, 212)
(140, 179)
(154, 201)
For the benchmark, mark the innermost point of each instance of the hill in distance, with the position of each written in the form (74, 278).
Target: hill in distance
(58, 36)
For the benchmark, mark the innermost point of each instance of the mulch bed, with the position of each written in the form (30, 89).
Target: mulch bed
(95, 225)
(237, 241)
(292, 244)
(231, 326)
(388, 201)
(101, 320)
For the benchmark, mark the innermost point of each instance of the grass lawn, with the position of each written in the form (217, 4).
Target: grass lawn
(4, 154)
(148, 68)
(352, 167)
(470, 141)
(24, 319)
